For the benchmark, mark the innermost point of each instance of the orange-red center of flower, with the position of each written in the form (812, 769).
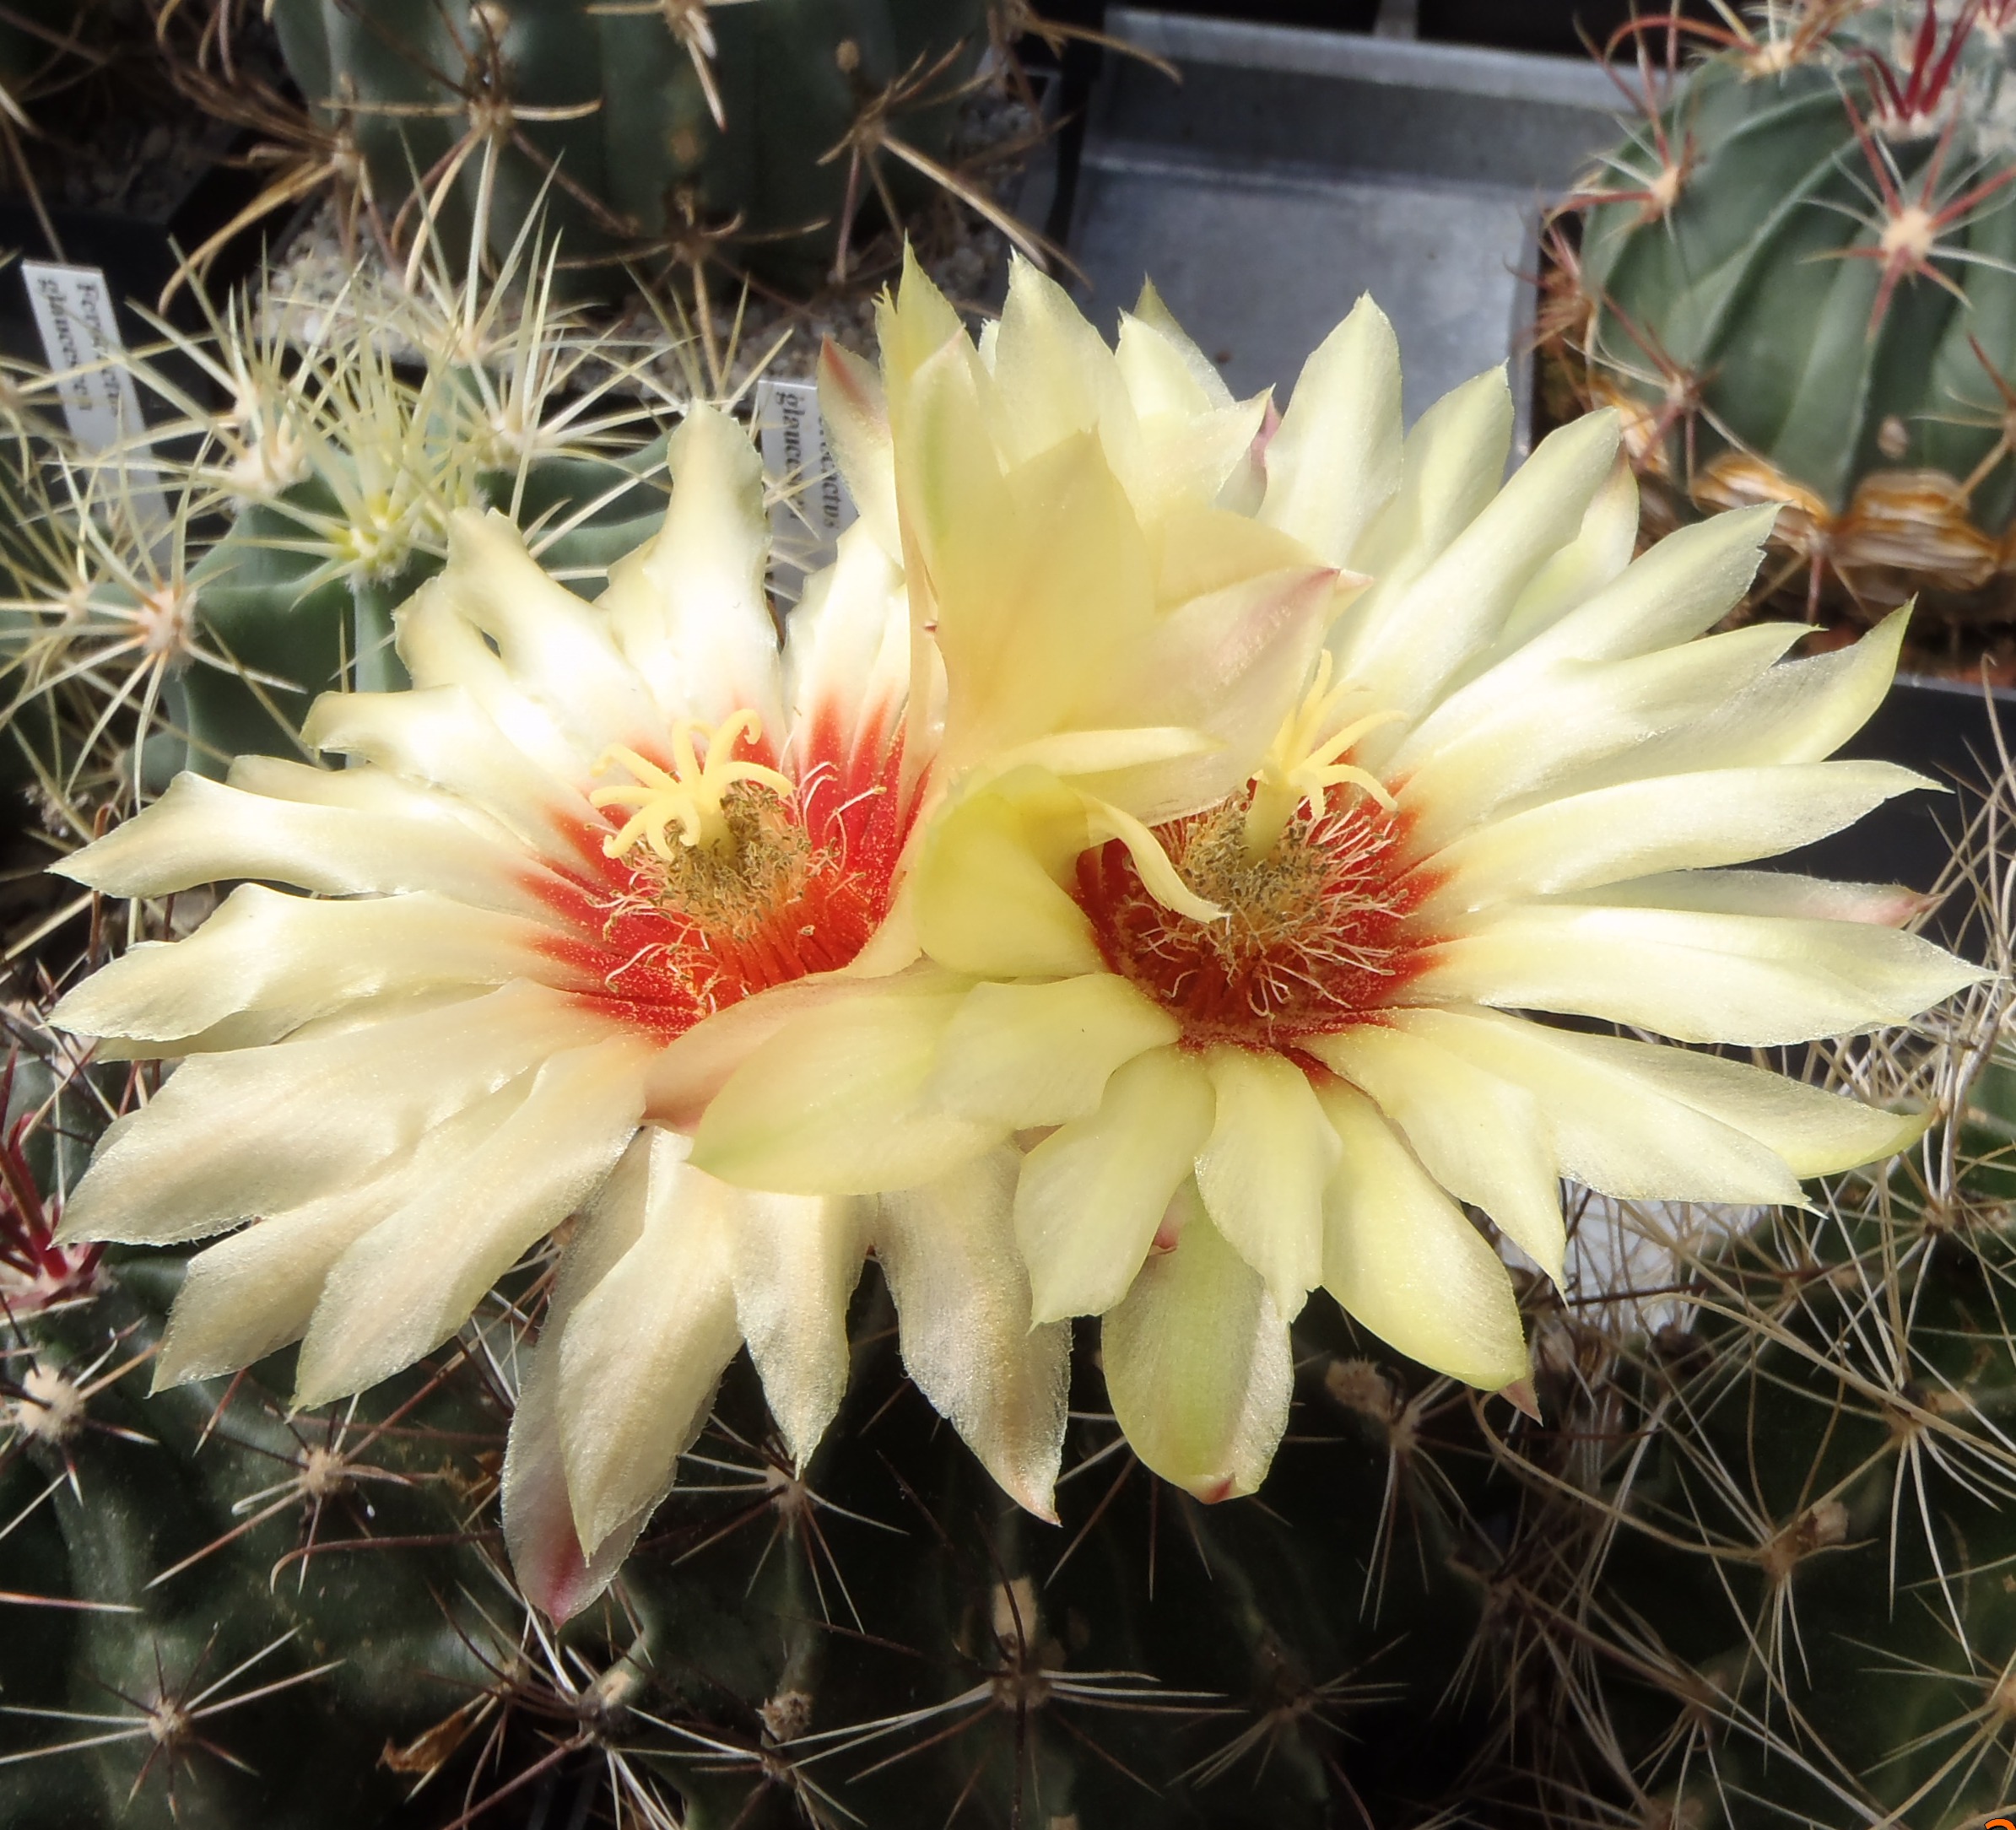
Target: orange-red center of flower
(798, 887)
(1316, 934)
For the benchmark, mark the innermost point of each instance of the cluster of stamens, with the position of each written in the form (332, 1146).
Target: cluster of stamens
(1302, 764)
(691, 796)
(727, 875)
(1313, 929)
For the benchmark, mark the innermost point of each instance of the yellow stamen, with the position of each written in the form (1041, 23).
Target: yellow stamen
(690, 796)
(1302, 765)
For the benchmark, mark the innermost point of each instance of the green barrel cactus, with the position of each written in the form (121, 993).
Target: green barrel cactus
(178, 614)
(648, 128)
(1797, 277)
(1762, 1572)
(216, 1612)
(294, 618)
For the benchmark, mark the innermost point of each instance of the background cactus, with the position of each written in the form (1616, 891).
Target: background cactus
(1758, 1574)
(749, 132)
(1795, 276)
(168, 612)
(218, 1613)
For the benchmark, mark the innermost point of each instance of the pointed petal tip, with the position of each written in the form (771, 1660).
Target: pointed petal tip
(593, 1525)
(558, 1583)
(308, 1396)
(833, 365)
(1038, 1504)
(1911, 1127)
(1901, 905)
(71, 1230)
(1522, 1398)
(315, 1385)
(173, 1366)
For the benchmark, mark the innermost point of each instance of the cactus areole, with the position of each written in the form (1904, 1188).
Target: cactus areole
(1796, 277)
(651, 129)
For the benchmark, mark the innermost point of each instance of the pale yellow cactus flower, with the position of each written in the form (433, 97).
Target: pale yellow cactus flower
(562, 888)
(1276, 1016)
(550, 899)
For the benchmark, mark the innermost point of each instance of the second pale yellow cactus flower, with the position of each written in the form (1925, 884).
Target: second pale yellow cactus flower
(1263, 1014)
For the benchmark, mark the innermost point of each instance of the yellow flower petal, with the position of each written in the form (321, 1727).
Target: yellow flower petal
(268, 964)
(838, 1103)
(441, 646)
(1815, 1132)
(962, 1295)
(1158, 391)
(1198, 1367)
(1483, 748)
(257, 1290)
(1751, 979)
(1668, 823)
(1797, 713)
(689, 608)
(409, 1282)
(441, 734)
(1764, 892)
(1228, 664)
(259, 1131)
(1335, 460)
(1450, 465)
(1093, 1193)
(538, 1520)
(1028, 1054)
(986, 897)
(642, 1351)
(1671, 593)
(202, 832)
(1054, 377)
(553, 644)
(856, 413)
(794, 1261)
(1595, 557)
(1401, 1258)
(912, 324)
(1262, 1172)
(1405, 647)
(1611, 1130)
(1482, 1138)
(847, 657)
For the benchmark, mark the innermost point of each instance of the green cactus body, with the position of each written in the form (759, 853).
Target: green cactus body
(1770, 1549)
(883, 1637)
(190, 1694)
(605, 110)
(268, 597)
(1798, 291)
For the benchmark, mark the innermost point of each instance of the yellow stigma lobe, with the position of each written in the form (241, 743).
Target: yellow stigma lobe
(690, 796)
(1302, 765)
